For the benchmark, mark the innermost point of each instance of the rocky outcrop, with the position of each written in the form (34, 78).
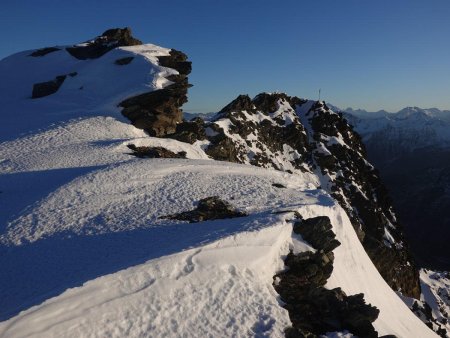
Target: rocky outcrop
(209, 208)
(154, 152)
(44, 51)
(433, 308)
(110, 39)
(340, 157)
(190, 131)
(158, 112)
(313, 309)
(246, 131)
(294, 135)
(318, 232)
(50, 87)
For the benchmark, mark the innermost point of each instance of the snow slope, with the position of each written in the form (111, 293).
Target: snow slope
(227, 274)
(83, 251)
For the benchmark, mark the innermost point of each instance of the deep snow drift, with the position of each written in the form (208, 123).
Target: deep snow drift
(83, 251)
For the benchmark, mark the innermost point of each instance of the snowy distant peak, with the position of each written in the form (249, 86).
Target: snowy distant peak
(94, 78)
(411, 128)
(407, 112)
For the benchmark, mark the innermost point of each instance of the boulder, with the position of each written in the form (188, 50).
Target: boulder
(50, 87)
(318, 232)
(154, 152)
(209, 208)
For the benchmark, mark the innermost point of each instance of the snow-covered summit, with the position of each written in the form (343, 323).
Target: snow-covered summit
(91, 87)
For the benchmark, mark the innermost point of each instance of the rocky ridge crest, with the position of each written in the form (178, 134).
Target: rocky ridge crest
(291, 134)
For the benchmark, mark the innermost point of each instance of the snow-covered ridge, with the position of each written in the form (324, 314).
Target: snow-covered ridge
(229, 267)
(84, 249)
(97, 88)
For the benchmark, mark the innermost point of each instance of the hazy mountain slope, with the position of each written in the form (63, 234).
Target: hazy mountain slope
(411, 149)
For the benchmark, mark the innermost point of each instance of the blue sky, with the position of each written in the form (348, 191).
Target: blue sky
(384, 54)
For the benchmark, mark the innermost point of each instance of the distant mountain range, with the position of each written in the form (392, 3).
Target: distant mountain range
(411, 148)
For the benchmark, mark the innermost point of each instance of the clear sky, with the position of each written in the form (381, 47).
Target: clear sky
(384, 54)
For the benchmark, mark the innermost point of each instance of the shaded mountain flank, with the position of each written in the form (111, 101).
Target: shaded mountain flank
(411, 149)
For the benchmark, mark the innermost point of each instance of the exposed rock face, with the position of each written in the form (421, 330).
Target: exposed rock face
(433, 308)
(155, 152)
(291, 134)
(44, 51)
(102, 44)
(190, 131)
(340, 156)
(50, 87)
(247, 131)
(209, 208)
(313, 309)
(317, 231)
(176, 60)
(158, 112)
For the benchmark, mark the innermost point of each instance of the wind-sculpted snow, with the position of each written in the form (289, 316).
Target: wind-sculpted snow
(107, 220)
(222, 286)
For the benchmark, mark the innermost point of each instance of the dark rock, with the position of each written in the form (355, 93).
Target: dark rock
(124, 61)
(176, 60)
(313, 309)
(358, 189)
(267, 102)
(44, 51)
(242, 102)
(209, 208)
(50, 87)
(222, 148)
(267, 135)
(102, 44)
(158, 112)
(189, 131)
(278, 185)
(154, 152)
(318, 232)
(47, 88)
